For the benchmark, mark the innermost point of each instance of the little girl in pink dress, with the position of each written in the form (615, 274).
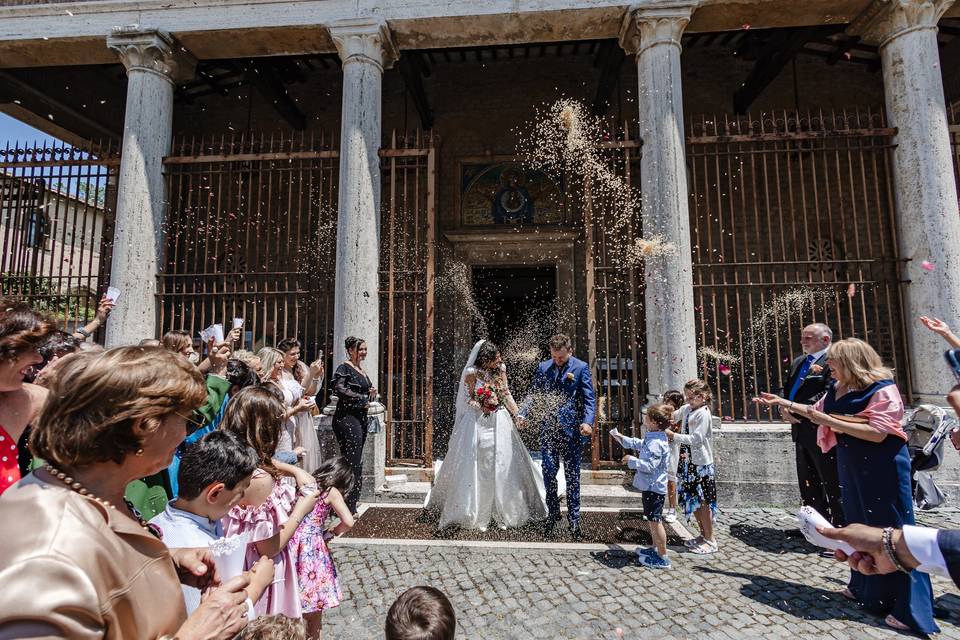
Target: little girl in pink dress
(316, 572)
(272, 506)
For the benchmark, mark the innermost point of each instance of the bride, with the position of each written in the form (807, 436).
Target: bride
(488, 473)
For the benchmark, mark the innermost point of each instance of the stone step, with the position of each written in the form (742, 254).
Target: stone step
(612, 496)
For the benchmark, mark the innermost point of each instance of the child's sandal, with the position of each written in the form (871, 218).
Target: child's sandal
(706, 548)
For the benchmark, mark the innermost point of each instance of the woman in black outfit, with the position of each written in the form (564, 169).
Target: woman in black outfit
(354, 391)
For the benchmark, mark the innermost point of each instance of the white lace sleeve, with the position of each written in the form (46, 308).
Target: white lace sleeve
(471, 371)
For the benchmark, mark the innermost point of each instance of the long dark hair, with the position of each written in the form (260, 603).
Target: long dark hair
(255, 415)
(487, 354)
(335, 474)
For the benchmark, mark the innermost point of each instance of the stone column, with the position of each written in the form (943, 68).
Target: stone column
(653, 35)
(365, 49)
(154, 63)
(928, 220)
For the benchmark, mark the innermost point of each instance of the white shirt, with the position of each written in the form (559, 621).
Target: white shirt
(922, 543)
(184, 529)
(818, 355)
(700, 433)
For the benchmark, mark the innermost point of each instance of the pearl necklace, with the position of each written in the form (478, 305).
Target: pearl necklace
(82, 490)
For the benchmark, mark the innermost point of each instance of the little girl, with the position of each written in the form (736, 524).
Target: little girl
(675, 400)
(698, 487)
(272, 506)
(319, 587)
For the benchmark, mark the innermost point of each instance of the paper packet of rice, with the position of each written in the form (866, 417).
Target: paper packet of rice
(229, 554)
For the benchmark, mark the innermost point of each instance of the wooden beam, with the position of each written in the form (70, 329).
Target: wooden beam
(65, 116)
(268, 85)
(414, 83)
(780, 49)
(843, 49)
(609, 59)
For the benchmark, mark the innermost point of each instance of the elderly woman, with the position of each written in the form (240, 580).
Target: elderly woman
(22, 333)
(91, 567)
(860, 415)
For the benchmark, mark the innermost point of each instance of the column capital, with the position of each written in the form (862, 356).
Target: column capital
(364, 40)
(648, 25)
(886, 20)
(152, 51)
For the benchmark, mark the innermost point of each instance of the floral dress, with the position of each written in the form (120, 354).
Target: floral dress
(263, 522)
(696, 485)
(317, 574)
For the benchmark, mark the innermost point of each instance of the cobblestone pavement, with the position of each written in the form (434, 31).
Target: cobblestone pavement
(762, 584)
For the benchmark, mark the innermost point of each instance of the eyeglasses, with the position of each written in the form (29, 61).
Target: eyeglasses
(192, 423)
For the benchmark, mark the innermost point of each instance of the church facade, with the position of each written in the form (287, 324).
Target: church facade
(325, 168)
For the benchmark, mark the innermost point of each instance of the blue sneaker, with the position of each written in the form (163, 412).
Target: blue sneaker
(656, 561)
(644, 551)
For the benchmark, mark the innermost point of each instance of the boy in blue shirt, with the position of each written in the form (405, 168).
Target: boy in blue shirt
(652, 465)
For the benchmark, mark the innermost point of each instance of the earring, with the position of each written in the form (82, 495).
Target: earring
(139, 452)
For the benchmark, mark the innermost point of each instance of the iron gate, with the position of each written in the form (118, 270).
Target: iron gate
(251, 233)
(57, 206)
(407, 276)
(792, 222)
(792, 219)
(614, 309)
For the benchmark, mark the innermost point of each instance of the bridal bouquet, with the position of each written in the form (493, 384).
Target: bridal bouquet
(487, 398)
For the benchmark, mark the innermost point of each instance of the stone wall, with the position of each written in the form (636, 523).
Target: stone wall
(756, 466)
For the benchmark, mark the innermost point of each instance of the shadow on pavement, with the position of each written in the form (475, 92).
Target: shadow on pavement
(798, 600)
(770, 539)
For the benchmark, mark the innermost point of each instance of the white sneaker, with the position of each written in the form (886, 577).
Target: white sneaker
(670, 516)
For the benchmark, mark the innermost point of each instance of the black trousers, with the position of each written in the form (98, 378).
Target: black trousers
(350, 430)
(818, 477)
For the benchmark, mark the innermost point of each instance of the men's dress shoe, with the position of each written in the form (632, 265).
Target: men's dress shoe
(576, 533)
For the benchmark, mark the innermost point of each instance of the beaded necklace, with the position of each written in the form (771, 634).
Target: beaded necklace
(79, 488)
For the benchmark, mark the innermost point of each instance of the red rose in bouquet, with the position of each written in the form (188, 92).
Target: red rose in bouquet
(487, 398)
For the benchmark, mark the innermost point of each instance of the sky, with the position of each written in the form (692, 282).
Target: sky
(12, 130)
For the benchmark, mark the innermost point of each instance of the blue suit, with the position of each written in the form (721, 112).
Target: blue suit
(560, 437)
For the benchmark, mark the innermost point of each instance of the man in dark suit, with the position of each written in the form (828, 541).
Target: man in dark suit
(563, 434)
(807, 381)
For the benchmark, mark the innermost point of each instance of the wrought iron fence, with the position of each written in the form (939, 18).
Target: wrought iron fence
(614, 308)
(792, 218)
(407, 276)
(57, 205)
(251, 233)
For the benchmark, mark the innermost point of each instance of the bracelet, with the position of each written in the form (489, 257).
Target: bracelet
(891, 552)
(83, 332)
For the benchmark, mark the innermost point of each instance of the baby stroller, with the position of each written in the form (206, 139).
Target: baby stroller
(927, 428)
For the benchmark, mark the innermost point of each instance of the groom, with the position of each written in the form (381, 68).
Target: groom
(563, 435)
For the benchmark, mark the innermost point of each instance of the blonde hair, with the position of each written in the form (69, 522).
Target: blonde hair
(699, 388)
(268, 357)
(96, 399)
(860, 361)
(244, 356)
(276, 627)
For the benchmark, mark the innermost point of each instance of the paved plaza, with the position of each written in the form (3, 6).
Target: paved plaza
(762, 584)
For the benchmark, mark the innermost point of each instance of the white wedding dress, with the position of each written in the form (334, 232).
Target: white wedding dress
(488, 474)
